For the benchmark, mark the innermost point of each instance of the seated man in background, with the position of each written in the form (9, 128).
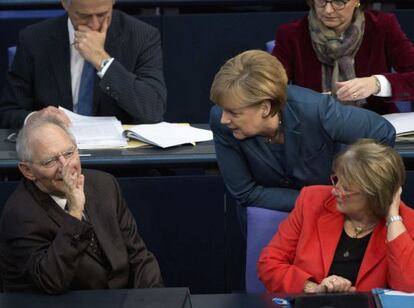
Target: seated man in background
(93, 60)
(65, 228)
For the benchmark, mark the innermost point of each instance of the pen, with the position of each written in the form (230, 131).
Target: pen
(281, 302)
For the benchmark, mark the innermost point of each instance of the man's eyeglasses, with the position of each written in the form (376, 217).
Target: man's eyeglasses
(336, 4)
(52, 161)
(344, 195)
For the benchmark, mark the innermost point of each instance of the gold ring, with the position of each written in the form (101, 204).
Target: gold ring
(355, 95)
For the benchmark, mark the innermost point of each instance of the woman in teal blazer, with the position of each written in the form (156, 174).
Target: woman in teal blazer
(272, 139)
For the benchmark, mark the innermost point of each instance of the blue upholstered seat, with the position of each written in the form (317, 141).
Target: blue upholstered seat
(262, 224)
(11, 51)
(270, 45)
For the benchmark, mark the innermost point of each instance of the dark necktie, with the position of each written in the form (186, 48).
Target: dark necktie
(94, 247)
(85, 98)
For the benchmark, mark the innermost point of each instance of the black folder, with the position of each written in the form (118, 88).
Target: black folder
(332, 300)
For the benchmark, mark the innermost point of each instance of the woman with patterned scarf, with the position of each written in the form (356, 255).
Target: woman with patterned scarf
(359, 56)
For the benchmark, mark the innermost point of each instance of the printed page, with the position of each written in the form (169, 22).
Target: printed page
(167, 134)
(96, 132)
(403, 122)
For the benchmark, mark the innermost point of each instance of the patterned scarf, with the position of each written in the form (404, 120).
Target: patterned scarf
(337, 53)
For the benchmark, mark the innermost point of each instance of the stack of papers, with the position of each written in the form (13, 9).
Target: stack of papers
(166, 135)
(96, 132)
(403, 124)
(107, 132)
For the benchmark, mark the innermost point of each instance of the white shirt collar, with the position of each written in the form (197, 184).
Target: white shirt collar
(60, 201)
(71, 31)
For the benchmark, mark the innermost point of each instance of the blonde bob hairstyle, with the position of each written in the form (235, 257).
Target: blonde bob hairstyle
(250, 78)
(376, 169)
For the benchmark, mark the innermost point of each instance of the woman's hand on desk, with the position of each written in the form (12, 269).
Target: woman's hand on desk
(330, 284)
(357, 88)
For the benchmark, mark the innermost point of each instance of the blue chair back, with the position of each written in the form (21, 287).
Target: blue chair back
(11, 52)
(270, 45)
(262, 224)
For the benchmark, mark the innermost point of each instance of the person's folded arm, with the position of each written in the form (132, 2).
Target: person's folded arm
(142, 92)
(347, 124)
(400, 251)
(53, 262)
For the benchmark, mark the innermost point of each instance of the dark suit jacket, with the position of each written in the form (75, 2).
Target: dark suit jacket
(315, 126)
(44, 248)
(384, 47)
(132, 89)
(306, 241)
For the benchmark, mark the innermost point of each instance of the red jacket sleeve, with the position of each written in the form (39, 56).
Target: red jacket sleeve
(400, 256)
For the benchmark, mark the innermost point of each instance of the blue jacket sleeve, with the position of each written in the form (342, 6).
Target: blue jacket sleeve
(347, 124)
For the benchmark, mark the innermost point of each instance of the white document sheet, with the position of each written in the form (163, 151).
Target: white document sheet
(96, 132)
(167, 135)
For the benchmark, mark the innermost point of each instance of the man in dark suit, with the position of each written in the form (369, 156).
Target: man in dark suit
(65, 228)
(48, 67)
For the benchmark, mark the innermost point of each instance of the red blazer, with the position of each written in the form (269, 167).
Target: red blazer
(384, 47)
(305, 244)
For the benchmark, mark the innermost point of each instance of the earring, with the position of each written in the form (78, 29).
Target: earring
(358, 4)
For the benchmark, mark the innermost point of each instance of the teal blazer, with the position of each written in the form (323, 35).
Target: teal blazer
(315, 127)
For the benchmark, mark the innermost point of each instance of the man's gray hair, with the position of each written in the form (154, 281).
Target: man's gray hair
(23, 145)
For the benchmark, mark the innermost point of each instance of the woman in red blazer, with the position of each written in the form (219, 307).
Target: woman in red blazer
(356, 235)
(362, 57)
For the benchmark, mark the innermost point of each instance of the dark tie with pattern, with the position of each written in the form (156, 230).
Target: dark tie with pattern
(94, 247)
(85, 98)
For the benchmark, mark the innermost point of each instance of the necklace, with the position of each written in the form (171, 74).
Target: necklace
(277, 132)
(353, 246)
(358, 230)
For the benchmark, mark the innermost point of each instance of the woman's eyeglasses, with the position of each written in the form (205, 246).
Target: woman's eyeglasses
(343, 194)
(336, 4)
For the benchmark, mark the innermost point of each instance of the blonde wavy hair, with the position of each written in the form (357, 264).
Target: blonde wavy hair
(251, 78)
(376, 169)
